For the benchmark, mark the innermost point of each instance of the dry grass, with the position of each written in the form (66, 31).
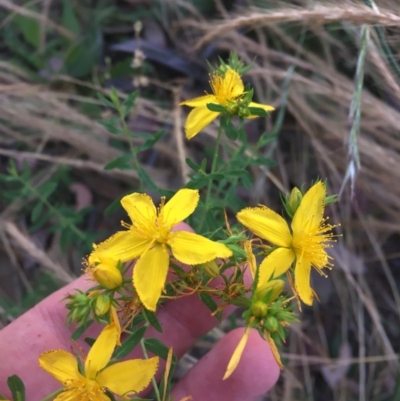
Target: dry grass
(350, 339)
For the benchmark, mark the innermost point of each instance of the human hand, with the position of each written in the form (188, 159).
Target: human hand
(183, 320)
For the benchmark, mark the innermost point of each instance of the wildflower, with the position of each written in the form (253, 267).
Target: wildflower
(227, 89)
(104, 270)
(306, 243)
(122, 378)
(149, 237)
(102, 304)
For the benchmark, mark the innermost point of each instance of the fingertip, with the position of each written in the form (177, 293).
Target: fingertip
(256, 373)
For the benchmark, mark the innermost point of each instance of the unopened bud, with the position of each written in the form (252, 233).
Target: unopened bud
(102, 305)
(107, 274)
(259, 309)
(211, 268)
(294, 201)
(274, 288)
(271, 324)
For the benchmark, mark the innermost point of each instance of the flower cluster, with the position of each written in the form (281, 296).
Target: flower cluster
(153, 258)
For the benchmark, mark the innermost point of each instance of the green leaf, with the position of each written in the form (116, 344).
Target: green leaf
(121, 162)
(147, 180)
(17, 388)
(116, 204)
(209, 301)
(265, 139)
(130, 343)
(112, 125)
(47, 189)
(258, 111)
(156, 347)
(129, 102)
(264, 161)
(42, 218)
(90, 341)
(192, 165)
(151, 317)
(36, 211)
(30, 29)
(105, 101)
(69, 19)
(216, 107)
(80, 330)
(230, 130)
(197, 183)
(151, 142)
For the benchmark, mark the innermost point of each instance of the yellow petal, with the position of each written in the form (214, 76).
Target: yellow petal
(180, 206)
(237, 354)
(140, 208)
(149, 275)
(267, 224)
(199, 101)
(123, 246)
(302, 275)
(229, 87)
(197, 119)
(274, 350)
(310, 212)
(115, 321)
(128, 377)
(61, 365)
(275, 264)
(265, 107)
(101, 351)
(193, 249)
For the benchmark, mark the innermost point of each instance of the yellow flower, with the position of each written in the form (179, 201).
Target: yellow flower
(305, 244)
(122, 378)
(228, 87)
(150, 236)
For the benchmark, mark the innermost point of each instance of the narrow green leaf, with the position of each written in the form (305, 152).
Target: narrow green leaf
(105, 101)
(216, 107)
(147, 180)
(36, 211)
(209, 301)
(121, 162)
(80, 330)
(47, 189)
(192, 165)
(258, 111)
(156, 347)
(90, 341)
(197, 183)
(151, 317)
(17, 388)
(69, 19)
(130, 343)
(229, 129)
(129, 102)
(151, 142)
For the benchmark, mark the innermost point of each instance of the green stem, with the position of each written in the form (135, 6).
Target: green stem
(213, 169)
(53, 395)
(153, 380)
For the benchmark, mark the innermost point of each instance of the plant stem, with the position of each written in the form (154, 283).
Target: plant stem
(153, 380)
(53, 395)
(213, 168)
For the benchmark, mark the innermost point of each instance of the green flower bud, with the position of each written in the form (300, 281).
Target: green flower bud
(211, 268)
(274, 288)
(293, 202)
(259, 309)
(271, 324)
(102, 305)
